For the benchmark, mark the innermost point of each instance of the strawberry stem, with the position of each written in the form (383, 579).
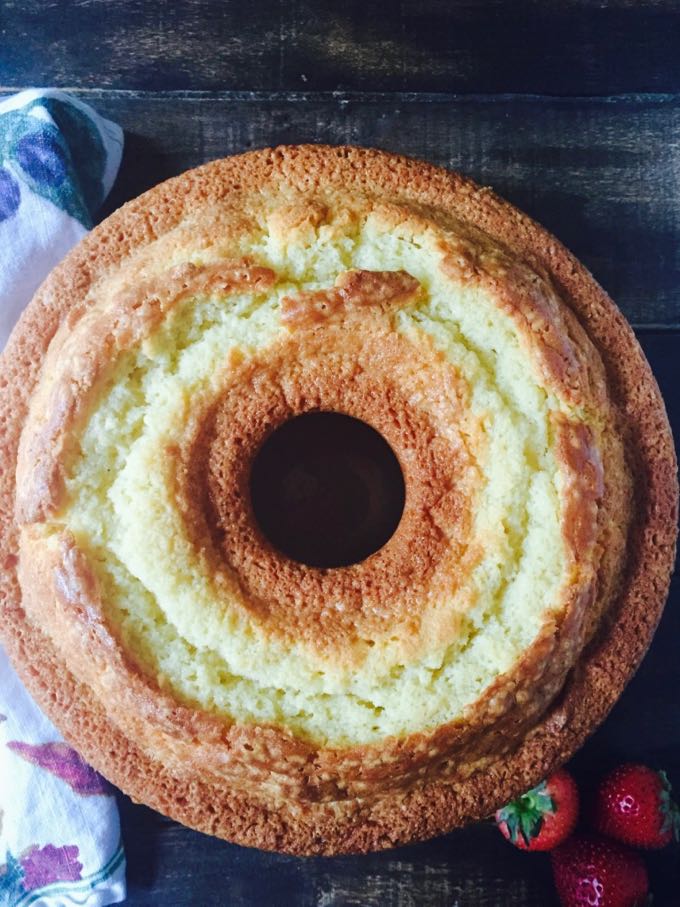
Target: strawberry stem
(525, 815)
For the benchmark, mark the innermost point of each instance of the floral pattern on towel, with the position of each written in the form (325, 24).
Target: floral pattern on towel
(62, 761)
(35, 868)
(56, 150)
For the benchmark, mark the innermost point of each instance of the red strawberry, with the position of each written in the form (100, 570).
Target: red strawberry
(591, 871)
(633, 804)
(544, 816)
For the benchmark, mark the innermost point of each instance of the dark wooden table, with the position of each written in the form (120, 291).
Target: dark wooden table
(571, 110)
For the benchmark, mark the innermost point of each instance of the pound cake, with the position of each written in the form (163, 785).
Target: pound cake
(323, 707)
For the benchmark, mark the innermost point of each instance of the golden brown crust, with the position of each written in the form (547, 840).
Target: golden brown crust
(326, 820)
(353, 289)
(584, 491)
(363, 368)
(76, 360)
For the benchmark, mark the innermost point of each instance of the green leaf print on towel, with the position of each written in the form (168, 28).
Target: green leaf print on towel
(62, 161)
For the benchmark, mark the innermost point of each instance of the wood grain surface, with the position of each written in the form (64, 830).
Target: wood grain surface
(571, 110)
(572, 47)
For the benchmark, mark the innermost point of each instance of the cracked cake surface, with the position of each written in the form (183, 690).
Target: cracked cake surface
(302, 708)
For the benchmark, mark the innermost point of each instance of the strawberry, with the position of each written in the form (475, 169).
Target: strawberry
(633, 804)
(544, 816)
(591, 871)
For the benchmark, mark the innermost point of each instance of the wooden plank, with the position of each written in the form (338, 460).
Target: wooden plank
(173, 866)
(603, 175)
(574, 47)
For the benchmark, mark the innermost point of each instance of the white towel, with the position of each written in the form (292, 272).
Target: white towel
(59, 828)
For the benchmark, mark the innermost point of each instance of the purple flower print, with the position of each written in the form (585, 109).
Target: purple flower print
(41, 155)
(44, 865)
(3, 717)
(10, 195)
(60, 760)
(36, 867)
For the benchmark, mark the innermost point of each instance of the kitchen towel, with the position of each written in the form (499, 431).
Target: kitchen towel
(60, 839)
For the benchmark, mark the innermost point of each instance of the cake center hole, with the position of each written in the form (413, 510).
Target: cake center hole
(327, 489)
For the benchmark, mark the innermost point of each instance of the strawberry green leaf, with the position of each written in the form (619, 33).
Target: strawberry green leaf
(525, 816)
(669, 808)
